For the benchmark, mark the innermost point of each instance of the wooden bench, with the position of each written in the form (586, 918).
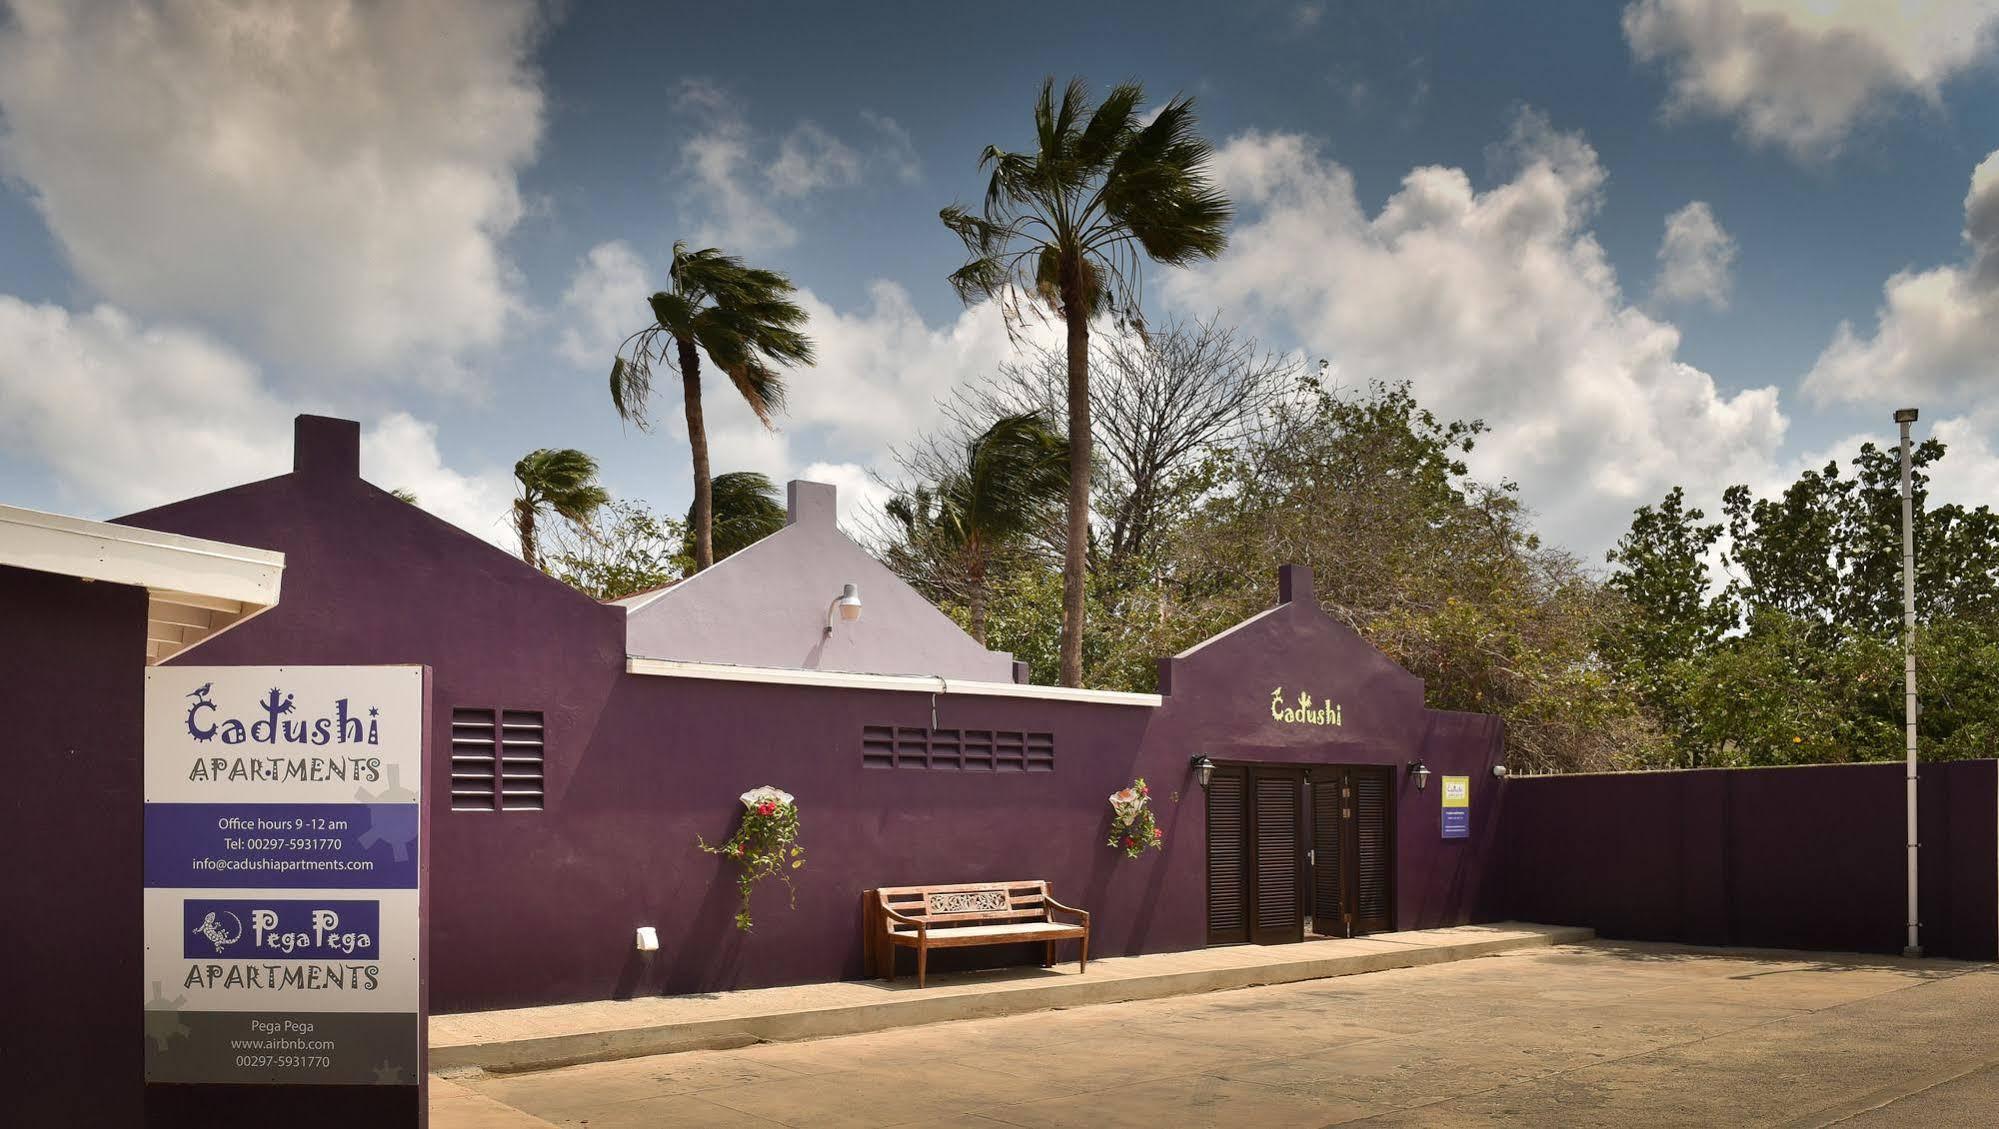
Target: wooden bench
(970, 913)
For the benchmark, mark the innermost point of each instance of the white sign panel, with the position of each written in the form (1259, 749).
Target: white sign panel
(283, 819)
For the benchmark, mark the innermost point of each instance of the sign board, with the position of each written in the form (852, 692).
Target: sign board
(1456, 795)
(283, 818)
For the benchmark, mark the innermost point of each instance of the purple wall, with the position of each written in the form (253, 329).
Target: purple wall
(73, 831)
(73, 702)
(538, 907)
(1808, 857)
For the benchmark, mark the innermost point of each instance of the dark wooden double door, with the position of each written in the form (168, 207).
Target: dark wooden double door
(1287, 843)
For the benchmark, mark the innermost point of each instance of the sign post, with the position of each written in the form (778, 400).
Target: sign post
(1456, 795)
(283, 814)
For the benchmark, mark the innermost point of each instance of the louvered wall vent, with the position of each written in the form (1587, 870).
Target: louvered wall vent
(496, 759)
(956, 750)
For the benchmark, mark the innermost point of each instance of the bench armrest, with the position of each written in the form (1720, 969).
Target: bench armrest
(1052, 904)
(922, 928)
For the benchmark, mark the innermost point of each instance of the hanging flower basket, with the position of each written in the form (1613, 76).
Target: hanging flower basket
(765, 845)
(1132, 828)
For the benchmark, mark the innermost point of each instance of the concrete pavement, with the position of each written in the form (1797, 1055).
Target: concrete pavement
(1577, 1035)
(569, 1034)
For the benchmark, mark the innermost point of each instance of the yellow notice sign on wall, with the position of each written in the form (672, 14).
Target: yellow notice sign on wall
(1457, 807)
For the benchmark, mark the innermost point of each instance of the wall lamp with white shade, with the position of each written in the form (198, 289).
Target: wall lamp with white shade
(1203, 768)
(847, 606)
(1421, 772)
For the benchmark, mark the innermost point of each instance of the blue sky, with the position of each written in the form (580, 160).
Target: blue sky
(440, 219)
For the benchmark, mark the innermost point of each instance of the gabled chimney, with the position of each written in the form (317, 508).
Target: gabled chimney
(810, 503)
(324, 447)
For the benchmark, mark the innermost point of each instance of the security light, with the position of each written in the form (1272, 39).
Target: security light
(1421, 772)
(846, 606)
(1204, 769)
(1905, 415)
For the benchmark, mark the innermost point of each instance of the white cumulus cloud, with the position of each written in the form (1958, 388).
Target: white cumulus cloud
(604, 304)
(1937, 332)
(1497, 303)
(1800, 74)
(1696, 258)
(128, 416)
(327, 181)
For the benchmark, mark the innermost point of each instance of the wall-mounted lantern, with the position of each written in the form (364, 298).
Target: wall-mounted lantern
(1421, 772)
(847, 606)
(1202, 767)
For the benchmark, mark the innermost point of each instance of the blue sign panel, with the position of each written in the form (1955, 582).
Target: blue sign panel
(282, 846)
(1456, 796)
(281, 929)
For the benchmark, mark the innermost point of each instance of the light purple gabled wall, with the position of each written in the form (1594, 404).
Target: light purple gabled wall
(766, 606)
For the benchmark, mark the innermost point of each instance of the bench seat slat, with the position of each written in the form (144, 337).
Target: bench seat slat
(991, 934)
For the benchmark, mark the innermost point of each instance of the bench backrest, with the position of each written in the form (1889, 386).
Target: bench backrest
(969, 903)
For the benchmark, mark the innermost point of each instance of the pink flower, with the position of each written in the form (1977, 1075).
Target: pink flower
(1157, 834)
(767, 807)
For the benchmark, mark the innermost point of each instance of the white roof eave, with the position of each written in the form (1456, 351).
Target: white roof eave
(197, 588)
(915, 683)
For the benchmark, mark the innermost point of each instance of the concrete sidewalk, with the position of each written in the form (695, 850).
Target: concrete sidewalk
(545, 1037)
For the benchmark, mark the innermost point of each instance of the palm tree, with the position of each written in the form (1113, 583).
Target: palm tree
(562, 482)
(1069, 227)
(746, 322)
(1013, 472)
(746, 512)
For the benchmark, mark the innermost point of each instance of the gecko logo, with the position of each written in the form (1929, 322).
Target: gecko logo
(206, 721)
(218, 934)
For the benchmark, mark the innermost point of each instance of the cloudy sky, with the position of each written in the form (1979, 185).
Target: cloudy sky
(1664, 242)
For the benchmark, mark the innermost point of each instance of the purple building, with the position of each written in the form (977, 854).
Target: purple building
(580, 748)
(913, 754)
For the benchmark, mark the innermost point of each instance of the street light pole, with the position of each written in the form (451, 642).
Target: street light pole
(1904, 418)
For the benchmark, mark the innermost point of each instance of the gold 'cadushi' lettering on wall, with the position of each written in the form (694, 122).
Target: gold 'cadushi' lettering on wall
(1303, 713)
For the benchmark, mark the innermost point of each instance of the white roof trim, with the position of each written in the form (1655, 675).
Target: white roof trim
(1219, 636)
(198, 588)
(914, 683)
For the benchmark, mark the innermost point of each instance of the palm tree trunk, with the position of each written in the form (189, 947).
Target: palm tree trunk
(978, 599)
(697, 442)
(1075, 555)
(524, 525)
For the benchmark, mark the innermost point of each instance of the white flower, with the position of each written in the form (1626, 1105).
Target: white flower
(755, 796)
(1127, 803)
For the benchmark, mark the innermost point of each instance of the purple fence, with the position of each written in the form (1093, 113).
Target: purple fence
(1810, 857)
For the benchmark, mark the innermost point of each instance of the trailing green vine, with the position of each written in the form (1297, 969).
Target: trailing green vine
(1133, 830)
(765, 845)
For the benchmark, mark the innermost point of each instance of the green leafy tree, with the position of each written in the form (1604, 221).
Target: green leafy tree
(745, 321)
(1673, 615)
(1068, 226)
(1815, 672)
(747, 510)
(559, 481)
(630, 549)
(1012, 474)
